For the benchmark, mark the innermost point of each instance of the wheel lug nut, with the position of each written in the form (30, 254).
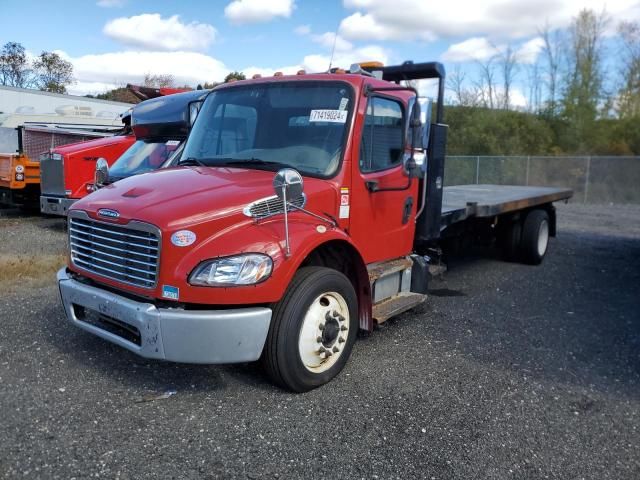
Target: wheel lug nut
(341, 340)
(328, 353)
(336, 349)
(343, 328)
(319, 339)
(328, 317)
(321, 326)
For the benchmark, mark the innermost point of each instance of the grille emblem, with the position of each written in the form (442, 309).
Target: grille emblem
(106, 212)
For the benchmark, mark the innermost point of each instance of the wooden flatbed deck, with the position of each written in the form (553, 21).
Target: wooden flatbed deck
(465, 201)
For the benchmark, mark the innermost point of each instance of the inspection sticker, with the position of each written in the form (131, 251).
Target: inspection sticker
(344, 196)
(344, 211)
(343, 103)
(170, 292)
(334, 116)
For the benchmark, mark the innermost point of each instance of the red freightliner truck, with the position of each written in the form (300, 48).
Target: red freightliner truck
(67, 173)
(302, 209)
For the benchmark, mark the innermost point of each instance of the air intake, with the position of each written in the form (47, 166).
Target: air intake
(267, 207)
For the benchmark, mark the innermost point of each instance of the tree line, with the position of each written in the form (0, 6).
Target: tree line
(48, 71)
(582, 96)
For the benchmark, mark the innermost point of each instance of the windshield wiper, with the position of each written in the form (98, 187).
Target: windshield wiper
(191, 161)
(250, 162)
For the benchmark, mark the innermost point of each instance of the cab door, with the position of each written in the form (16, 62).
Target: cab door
(384, 198)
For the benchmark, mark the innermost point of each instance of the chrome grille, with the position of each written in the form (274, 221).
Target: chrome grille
(127, 254)
(269, 206)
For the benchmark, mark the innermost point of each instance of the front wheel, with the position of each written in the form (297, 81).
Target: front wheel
(312, 330)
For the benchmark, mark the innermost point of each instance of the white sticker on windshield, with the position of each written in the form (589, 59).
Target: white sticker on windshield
(335, 116)
(343, 104)
(172, 143)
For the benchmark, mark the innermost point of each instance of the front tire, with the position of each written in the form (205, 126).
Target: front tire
(312, 331)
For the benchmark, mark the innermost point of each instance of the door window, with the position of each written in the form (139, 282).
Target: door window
(381, 144)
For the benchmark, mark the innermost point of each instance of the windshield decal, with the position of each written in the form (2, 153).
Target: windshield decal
(334, 116)
(343, 103)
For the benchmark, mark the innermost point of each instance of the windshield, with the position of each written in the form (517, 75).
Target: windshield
(142, 157)
(299, 124)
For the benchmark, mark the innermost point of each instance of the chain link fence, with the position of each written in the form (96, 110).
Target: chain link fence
(594, 179)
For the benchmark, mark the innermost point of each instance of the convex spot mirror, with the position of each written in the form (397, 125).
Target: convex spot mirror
(288, 182)
(102, 173)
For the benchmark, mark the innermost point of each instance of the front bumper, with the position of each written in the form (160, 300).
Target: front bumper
(174, 334)
(51, 205)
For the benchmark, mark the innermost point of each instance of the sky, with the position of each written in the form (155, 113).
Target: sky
(114, 42)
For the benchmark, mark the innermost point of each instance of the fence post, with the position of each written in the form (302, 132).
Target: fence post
(477, 169)
(526, 181)
(586, 179)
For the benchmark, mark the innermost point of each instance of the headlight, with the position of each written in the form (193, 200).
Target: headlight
(237, 270)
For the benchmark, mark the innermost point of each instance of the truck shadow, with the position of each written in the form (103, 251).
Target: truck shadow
(573, 320)
(144, 375)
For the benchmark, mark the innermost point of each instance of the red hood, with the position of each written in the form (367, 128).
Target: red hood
(181, 197)
(89, 144)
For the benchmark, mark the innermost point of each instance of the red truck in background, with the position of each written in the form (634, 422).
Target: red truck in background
(68, 173)
(302, 209)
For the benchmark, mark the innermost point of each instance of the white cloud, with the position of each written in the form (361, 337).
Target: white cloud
(151, 31)
(529, 51)
(119, 68)
(111, 3)
(327, 40)
(257, 11)
(477, 48)
(268, 72)
(420, 20)
(344, 59)
(302, 30)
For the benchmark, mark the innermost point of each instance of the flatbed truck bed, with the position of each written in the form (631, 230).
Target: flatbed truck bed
(462, 202)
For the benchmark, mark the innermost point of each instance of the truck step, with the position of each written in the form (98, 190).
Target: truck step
(399, 303)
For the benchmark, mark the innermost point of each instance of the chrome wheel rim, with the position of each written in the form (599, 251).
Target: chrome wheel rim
(543, 237)
(324, 332)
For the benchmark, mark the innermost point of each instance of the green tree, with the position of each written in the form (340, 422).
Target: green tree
(584, 88)
(629, 93)
(52, 72)
(234, 76)
(14, 66)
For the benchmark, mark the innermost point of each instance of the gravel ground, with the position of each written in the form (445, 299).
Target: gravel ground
(508, 371)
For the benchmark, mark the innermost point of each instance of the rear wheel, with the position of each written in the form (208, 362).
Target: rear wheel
(510, 241)
(312, 330)
(535, 237)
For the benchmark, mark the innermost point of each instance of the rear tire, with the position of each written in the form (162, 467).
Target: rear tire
(510, 241)
(535, 237)
(312, 331)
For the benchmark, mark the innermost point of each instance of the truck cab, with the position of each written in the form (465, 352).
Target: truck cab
(68, 173)
(298, 213)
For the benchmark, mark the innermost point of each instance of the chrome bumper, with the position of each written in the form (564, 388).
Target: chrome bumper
(177, 335)
(55, 205)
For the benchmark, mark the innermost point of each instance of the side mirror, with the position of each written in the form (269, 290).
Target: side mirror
(101, 176)
(288, 184)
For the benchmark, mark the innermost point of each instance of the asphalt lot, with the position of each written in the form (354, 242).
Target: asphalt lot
(508, 371)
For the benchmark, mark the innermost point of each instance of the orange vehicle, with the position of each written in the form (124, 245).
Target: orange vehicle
(20, 170)
(19, 179)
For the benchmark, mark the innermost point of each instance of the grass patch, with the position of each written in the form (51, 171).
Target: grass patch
(15, 270)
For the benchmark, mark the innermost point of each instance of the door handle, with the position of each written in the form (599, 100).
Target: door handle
(406, 210)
